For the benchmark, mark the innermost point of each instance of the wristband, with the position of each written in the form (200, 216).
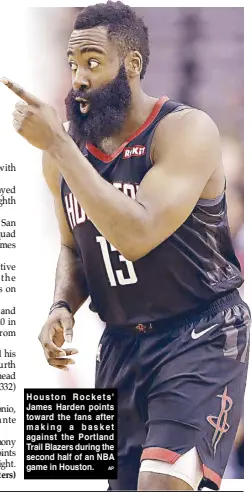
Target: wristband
(60, 304)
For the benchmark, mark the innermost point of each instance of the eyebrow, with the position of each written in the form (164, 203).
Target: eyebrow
(87, 49)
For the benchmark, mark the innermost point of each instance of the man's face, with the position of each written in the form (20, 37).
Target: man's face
(100, 97)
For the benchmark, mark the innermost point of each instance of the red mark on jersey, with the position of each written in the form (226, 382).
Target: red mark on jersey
(219, 422)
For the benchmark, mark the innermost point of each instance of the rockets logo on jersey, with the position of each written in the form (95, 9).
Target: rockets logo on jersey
(75, 212)
(136, 151)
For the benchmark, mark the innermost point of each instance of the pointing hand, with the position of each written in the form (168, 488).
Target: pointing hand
(34, 120)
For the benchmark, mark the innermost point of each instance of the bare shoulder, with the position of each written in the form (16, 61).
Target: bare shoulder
(192, 122)
(51, 171)
(189, 132)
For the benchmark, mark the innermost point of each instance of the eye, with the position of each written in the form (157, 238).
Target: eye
(73, 66)
(93, 63)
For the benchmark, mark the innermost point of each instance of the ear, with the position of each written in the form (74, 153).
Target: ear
(134, 64)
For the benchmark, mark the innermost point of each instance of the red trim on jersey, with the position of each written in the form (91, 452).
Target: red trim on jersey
(171, 457)
(160, 454)
(211, 475)
(99, 154)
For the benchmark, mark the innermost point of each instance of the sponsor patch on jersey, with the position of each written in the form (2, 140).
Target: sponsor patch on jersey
(136, 151)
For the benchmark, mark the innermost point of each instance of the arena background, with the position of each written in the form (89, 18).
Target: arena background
(197, 58)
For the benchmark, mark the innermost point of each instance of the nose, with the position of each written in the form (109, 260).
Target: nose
(80, 81)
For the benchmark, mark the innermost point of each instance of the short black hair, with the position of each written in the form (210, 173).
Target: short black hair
(124, 27)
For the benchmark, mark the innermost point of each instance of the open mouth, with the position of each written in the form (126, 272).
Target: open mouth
(84, 104)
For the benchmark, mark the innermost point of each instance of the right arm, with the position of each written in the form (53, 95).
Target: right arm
(70, 282)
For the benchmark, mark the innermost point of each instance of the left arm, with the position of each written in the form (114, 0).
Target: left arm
(186, 153)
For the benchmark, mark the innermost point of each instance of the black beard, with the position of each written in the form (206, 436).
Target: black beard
(106, 114)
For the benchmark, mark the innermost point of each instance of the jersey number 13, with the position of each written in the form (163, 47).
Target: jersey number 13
(116, 277)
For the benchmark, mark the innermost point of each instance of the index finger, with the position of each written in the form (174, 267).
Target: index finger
(20, 92)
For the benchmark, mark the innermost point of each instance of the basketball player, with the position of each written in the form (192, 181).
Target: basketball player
(139, 193)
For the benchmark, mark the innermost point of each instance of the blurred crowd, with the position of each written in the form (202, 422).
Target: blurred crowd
(196, 58)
